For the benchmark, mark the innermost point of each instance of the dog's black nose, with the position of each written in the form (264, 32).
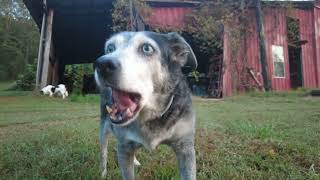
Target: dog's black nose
(107, 65)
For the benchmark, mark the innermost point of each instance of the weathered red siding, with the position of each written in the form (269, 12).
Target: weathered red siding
(236, 76)
(309, 60)
(275, 23)
(169, 17)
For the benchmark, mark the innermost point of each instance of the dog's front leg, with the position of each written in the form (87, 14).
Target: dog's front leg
(186, 159)
(105, 129)
(104, 132)
(126, 161)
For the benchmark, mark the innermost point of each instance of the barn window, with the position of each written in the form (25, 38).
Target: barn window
(278, 61)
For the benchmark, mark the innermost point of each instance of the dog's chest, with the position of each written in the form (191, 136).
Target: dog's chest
(144, 136)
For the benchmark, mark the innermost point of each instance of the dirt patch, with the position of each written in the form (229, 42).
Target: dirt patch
(206, 138)
(273, 149)
(307, 164)
(265, 148)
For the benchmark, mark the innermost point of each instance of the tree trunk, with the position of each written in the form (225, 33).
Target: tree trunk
(131, 15)
(262, 45)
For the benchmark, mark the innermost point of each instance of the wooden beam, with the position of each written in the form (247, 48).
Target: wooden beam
(256, 80)
(316, 17)
(45, 77)
(263, 48)
(131, 15)
(40, 53)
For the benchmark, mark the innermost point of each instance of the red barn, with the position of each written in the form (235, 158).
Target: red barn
(66, 26)
(292, 64)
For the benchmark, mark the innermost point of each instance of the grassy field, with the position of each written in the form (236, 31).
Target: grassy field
(5, 85)
(257, 136)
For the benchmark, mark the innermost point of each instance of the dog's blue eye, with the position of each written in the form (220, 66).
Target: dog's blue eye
(147, 49)
(110, 48)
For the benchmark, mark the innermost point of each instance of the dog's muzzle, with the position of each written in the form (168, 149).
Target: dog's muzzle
(125, 105)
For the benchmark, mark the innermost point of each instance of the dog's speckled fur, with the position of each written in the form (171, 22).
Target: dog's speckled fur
(166, 115)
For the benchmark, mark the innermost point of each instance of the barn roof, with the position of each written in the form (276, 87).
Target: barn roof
(80, 27)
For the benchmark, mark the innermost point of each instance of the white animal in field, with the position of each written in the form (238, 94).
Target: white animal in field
(61, 90)
(49, 89)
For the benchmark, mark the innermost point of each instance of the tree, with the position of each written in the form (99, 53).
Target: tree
(18, 39)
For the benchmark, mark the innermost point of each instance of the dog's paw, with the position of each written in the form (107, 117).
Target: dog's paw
(136, 162)
(104, 174)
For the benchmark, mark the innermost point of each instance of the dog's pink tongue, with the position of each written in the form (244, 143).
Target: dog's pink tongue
(123, 100)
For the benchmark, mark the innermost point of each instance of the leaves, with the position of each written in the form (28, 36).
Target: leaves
(121, 13)
(19, 38)
(26, 80)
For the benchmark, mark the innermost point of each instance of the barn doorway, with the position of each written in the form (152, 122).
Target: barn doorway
(207, 80)
(295, 52)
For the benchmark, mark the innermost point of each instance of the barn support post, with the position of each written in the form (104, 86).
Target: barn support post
(317, 40)
(131, 15)
(262, 45)
(40, 52)
(46, 76)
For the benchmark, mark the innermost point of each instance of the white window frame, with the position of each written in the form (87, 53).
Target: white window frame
(277, 53)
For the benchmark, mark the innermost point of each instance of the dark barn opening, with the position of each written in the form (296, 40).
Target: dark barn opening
(207, 80)
(295, 52)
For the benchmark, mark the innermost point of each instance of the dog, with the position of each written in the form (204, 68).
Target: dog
(59, 90)
(145, 99)
(49, 89)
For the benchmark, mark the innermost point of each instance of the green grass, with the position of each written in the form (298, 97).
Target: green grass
(5, 85)
(254, 136)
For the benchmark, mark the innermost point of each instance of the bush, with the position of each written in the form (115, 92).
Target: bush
(74, 74)
(26, 80)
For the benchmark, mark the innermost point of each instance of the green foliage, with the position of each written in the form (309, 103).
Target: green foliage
(206, 29)
(195, 74)
(26, 80)
(205, 24)
(18, 39)
(293, 30)
(75, 74)
(121, 13)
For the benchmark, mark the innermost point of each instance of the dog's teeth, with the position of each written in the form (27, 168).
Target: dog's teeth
(128, 112)
(108, 109)
(112, 116)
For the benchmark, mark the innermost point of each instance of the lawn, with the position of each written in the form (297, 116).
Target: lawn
(255, 136)
(5, 85)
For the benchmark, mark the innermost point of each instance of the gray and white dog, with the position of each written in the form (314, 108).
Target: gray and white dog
(145, 99)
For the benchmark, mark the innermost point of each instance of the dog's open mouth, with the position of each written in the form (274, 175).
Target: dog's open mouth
(125, 106)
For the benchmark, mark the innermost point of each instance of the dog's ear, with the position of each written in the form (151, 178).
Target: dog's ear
(181, 51)
(53, 89)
